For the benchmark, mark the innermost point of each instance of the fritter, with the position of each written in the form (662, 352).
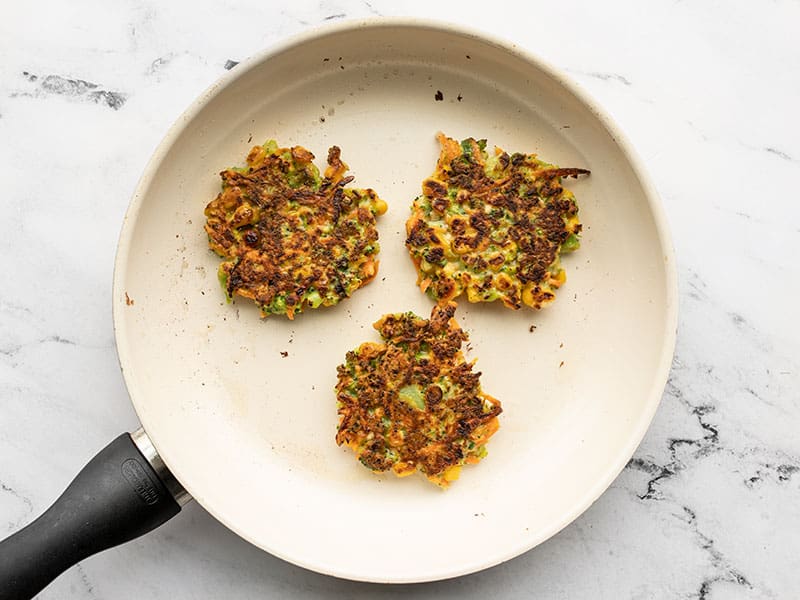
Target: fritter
(413, 402)
(290, 238)
(493, 226)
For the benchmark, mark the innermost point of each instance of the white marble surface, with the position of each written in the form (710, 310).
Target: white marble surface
(708, 93)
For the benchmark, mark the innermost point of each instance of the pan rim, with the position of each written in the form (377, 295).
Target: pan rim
(659, 379)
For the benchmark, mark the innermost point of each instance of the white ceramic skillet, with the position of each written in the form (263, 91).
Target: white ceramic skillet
(242, 410)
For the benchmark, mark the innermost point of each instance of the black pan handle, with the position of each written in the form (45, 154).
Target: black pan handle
(117, 497)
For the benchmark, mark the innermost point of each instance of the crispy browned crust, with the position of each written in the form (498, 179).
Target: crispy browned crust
(291, 239)
(453, 419)
(493, 227)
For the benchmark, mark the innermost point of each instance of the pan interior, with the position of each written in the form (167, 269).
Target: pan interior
(243, 410)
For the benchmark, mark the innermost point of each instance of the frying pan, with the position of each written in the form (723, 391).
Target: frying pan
(239, 413)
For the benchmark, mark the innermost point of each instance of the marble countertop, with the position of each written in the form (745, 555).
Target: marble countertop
(709, 507)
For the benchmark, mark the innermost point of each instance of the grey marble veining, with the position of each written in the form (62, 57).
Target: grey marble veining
(709, 506)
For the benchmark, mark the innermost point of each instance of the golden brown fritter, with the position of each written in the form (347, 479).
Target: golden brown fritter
(493, 226)
(413, 403)
(290, 238)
